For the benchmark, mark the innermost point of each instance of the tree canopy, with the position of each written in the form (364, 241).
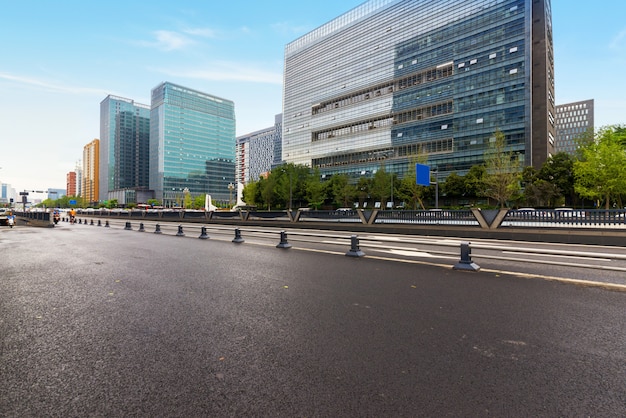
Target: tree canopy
(600, 173)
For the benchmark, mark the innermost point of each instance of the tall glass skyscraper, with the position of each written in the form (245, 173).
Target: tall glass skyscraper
(192, 144)
(394, 79)
(124, 146)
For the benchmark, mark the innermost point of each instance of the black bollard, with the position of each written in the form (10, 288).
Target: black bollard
(80, 221)
(238, 239)
(128, 227)
(106, 225)
(355, 251)
(203, 234)
(180, 232)
(465, 263)
(141, 228)
(157, 229)
(91, 223)
(283, 241)
(99, 222)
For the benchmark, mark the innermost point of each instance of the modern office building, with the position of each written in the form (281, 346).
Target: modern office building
(572, 121)
(78, 169)
(258, 152)
(70, 183)
(124, 146)
(8, 195)
(393, 79)
(90, 181)
(192, 144)
(54, 194)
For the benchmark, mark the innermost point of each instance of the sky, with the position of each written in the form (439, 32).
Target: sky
(59, 59)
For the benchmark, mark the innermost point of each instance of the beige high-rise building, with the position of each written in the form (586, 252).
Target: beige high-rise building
(90, 179)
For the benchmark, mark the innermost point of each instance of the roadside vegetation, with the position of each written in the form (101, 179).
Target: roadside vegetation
(594, 177)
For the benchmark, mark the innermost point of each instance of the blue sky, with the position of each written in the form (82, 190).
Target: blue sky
(60, 59)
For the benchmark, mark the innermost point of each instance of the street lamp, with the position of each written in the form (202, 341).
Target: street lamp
(230, 194)
(290, 190)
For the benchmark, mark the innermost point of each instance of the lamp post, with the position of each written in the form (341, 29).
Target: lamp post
(436, 183)
(290, 188)
(185, 194)
(230, 194)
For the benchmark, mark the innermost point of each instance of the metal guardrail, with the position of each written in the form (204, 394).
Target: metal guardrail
(594, 218)
(489, 219)
(427, 217)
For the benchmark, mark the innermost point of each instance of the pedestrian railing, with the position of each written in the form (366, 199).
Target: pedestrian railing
(486, 219)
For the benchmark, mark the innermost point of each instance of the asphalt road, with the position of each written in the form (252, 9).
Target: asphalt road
(106, 322)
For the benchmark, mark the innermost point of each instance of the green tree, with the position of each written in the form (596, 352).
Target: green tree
(268, 190)
(558, 170)
(198, 202)
(340, 190)
(363, 190)
(187, 199)
(409, 191)
(381, 186)
(250, 196)
(454, 186)
(315, 190)
(601, 172)
(474, 183)
(501, 180)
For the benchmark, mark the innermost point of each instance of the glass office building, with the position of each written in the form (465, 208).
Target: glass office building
(394, 79)
(192, 144)
(124, 146)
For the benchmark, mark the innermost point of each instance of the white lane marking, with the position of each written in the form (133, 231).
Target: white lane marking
(410, 253)
(555, 256)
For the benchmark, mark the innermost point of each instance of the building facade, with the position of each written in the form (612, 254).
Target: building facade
(124, 145)
(78, 169)
(258, 152)
(8, 195)
(90, 181)
(192, 144)
(392, 80)
(70, 183)
(573, 120)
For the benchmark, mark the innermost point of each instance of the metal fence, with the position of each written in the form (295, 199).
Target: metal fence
(522, 218)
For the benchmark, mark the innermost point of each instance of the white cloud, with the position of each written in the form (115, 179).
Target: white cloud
(228, 71)
(201, 32)
(59, 88)
(286, 28)
(619, 41)
(170, 41)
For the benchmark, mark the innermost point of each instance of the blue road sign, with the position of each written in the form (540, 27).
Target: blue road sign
(422, 174)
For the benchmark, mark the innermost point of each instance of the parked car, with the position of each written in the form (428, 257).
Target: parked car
(4, 216)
